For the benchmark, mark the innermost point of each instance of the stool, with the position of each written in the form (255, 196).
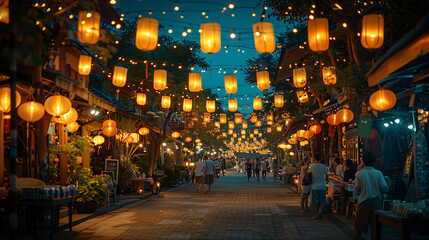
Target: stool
(337, 203)
(351, 208)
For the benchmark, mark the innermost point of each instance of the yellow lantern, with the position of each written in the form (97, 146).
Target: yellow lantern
(279, 100)
(217, 124)
(288, 146)
(238, 119)
(257, 103)
(230, 131)
(185, 149)
(5, 99)
(68, 117)
(243, 132)
(232, 104)
(31, 111)
(188, 139)
(210, 37)
(263, 80)
(333, 120)
(119, 76)
(372, 35)
(255, 131)
(166, 102)
(244, 125)
(253, 118)
(109, 123)
(263, 33)
(302, 96)
(88, 29)
(315, 129)
(159, 79)
(98, 140)
(141, 98)
(187, 105)
(231, 125)
(270, 116)
(300, 133)
(269, 123)
(258, 124)
(4, 12)
(299, 77)
(194, 82)
(84, 67)
(329, 75)
(72, 127)
(288, 121)
(279, 128)
(291, 141)
(259, 134)
(345, 115)
(230, 83)
(191, 153)
(382, 100)
(268, 130)
(144, 131)
(234, 135)
(222, 118)
(175, 135)
(210, 106)
(109, 131)
(251, 135)
(147, 34)
(291, 153)
(132, 138)
(224, 134)
(318, 34)
(206, 118)
(57, 105)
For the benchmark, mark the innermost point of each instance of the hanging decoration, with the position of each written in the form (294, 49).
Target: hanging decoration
(187, 105)
(253, 118)
(243, 132)
(269, 123)
(244, 125)
(159, 79)
(299, 77)
(263, 80)
(88, 29)
(109, 131)
(255, 131)
(98, 140)
(329, 76)
(4, 11)
(31, 111)
(302, 96)
(147, 34)
(188, 139)
(144, 131)
(217, 124)
(279, 100)
(288, 121)
(194, 82)
(263, 33)
(230, 131)
(231, 125)
(222, 118)
(68, 117)
(258, 123)
(257, 103)
(318, 34)
(315, 128)
(210, 37)
(345, 115)
(308, 134)
(372, 35)
(84, 66)
(224, 134)
(333, 120)
(119, 78)
(210, 106)
(5, 99)
(166, 102)
(232, 104)
(382, 100)
(230, 83)
(109, 123)
(72, 127)
(238, 119)
(141, 99)
(57, 105)
(206, 118)
(279, 128)
(269, 130)
(175, 135)
(270, 116)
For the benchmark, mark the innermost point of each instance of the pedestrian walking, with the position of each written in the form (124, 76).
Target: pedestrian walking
(319, 173)
(275, 169)
(243, 166)
(264, 168)
(209, 172)
(248, 166)
(217, 167)
(257, 168)
(369, 188)
(199, 173)
(305, 184)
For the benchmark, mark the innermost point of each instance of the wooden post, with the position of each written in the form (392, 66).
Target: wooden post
(86, 156)
(1, 148)
(62, 138)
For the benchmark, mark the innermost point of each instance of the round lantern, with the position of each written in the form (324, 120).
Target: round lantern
(253, 118)
(299, 77)
(244, 125)
(288, 146)
(57, 105)
(288, 121)
(257, 103)
(210, 37)
(217, 124)
(141, 98)
(315, 129)
(119, 76)
(382, 100)
(206, 118)
(187, 105)
(191, 153)
(279, 128)
(210, 106)
(166, 102)
(147, 34)
(88, 28)
(258, 124)
(4, 12)
(231, 125)
(98, 140)
(70, 116)
(232, 104)
(300, 133)
(5, 100)
(279, 100)
(230, 83)
(302, 96)
(109, 122)
(185, 149)
(188, 139)
(84, 66)
(31, 111)
(109, 131)
(72, 127)
(159, 79)
(372, 35)
(175, 135)
(333, 120)
(268, 130)
(318, 34)
(291, 141)
(329, 76)
(263, 80)
(345, 115)
(144, 131)
(308, 134)
(194, 82)
(238, 119)
(222, 118)
(230, 131)
(263, 33)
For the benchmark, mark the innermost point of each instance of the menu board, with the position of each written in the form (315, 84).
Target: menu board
(112, 165)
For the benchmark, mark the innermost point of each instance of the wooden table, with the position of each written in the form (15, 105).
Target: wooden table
(405, 224)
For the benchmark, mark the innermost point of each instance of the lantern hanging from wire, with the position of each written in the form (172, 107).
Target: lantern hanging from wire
(308, 134)
(119, 78)
(263, 80)
(302, 96)
(329, 76)
(194, 82)
(187, 105)
(345, 115)
(88, 29)
(144, 131)
(318, 34)
(382, 100)
(230, 131)
(175, 134)
(231, 125)
(217, 124)
(72, 127)
(270, 116)
(263, 33)
(31, 111)
(210, 106)
(159, 79)
(244, 125)
(188, 139)
(288, 121)
(255, 131)
(68, 117)
(269, 130)
(206, 118)
(230, 83)
(257, 103)
(232, 104)
(238, 119)
(109, 122)
(4, 11)
(258, 124)
(333, 120)
(109, 131)
(84, 66)
(243, 132)
(299, 77)
(269, 123)
(372, 35)
(315, 128)
(222, 118)
(57, 105)
(300, 133)
(5, 99)
(141, 98)
(210, 37)
(279, 100)
(279, 128)
(147, 34)
(98, 140)
(253, 118)
(165, 102)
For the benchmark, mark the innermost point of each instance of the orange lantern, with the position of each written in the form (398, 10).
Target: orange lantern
(279, 128)
(230, 83)
(255, 131)
(68, 117)
(263, 33)
(72, 127)
(217, 124)
(230, 131)
(318, 34)
(175, 135)
(31, 111)
(147, 34)
(372, 35)
(98, 140)
(279, 100)
(345, 115)
(234, 135)
(232, 104)
(243, 132)
(57, 105)
(238, 119)
(244, 125)
(224, 134)
(109, 131)
(257, 103)
(259, 134)
(210, 106)
(333, 120)
(258, 124)
(300, 134)
(185, 150)
(119, 76)
(299, 77)
(269, 123)
(166, 102)
(206, 118)
(109, 122)
(5, 99)
(188, 139)
(329, 76)
(302, 96)
(194, 82)
(210, 37)
(141, 98)
(253, 118)
(187, 105)
(263, 80)
(315, 129)
(231, 125)
(288, 121)
(308, 134)
(270, 116)
(144, 131)
(268, 130)
(4, 12)
(88, 28)
(222, 118)
(84, 66)
(382, 100)
(251, 135)
(159, 79)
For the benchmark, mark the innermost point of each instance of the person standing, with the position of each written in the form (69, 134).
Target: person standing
(248, 166)
(369, 188)
(275, 169)
(264, 168)
(339, 168)
(209, 172)
(243, 166)
(319, 173)
(199, 173)
(350, 172)
(257, 168)
(305, 184)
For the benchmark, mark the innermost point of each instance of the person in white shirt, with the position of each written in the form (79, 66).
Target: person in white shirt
(319, 172)
(339, 168)
(199, 173)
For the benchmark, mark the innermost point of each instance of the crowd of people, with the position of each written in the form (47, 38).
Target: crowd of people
(257, 168)
(206, 171)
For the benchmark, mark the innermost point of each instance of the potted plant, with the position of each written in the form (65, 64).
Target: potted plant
(91, 191)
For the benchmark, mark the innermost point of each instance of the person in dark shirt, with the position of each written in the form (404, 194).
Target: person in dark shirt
(350, 171)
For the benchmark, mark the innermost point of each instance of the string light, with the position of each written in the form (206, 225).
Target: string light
(232, 35)
(231, 5)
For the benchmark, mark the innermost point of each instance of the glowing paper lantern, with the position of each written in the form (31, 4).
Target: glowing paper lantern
(300, 134)
(232, 104)
(194, 82)
(68, 117)
(291, 141)
(270, 116)
(268, 130)
(175, 135)
(279, 100)
(255, 131)
(257, 103)
(244, 125)
(382, 100)
(318, 34)
(210, 37)
(109, 131)
(302, 96)
(288, 121)
(84, 66)
(263, 33)
(315, 129)
(234, 135)
(210, 106)
(258, 124)
(57, 105)
(98, 140)
(308, 134)
(243, 132)
(222, 118)
(109, 122)
(253, 118)
(329, 76)
(147, 34)
(372, 35)
(279, 128)
(333, 120)
(269, 123)
(159, 79)
(238, 119)
(299, 77)
(144, 131)
(231, 125)
(141, 98)
(31, 111)
(4, 12)
(119, 76)
(251, 135)
(288, 146)
(263, 80)
(230, 83)
(5, 99)
(230, 131)
(224, 134)
(88, 28)
(188, 139)
(72, 127)
(185, 149)
(166, 102)
(206, 118)
(187, 105)
(217, 124)
(345, 115)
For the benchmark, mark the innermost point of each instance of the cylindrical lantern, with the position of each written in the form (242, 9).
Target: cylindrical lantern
(210, 37)
(166, 102)
(141, 98)
(222, 118)
(206, 118)
(263, 80)
(144, 131)
(372, 35)
(258, 124)
(109, 122)
(217, 124)
(268, 129)
(230, 83)
(231, 125)
(232, 104)
(210, 106)
(224, 134)
(72, 127)
(230, 131)
(270, 116)
(5, 99)
(345, 115)
(159, 79)
(88, 28)
(68, 117)
(315, 129)
(57, 105)
(188, 139)
(279, 128)
(333, 120)
(251, 135)
(98, 140)
(259, 134)
(255, 131)
(318, 34)
(288, 121)
(175, 135)
(257, 103)
(244, 125)
(147, 34)
(302, 96)
(119, 76)
(263, 33)
(253, 118)
(382, 100)
(84, 67)
(269, 123)
(31, 111)
(238, 119)
(109, 131)
(299, 77)
(234, 135)
(243, 132)
(187, 105)
(194, 82)
(279, 100)
(329, 75)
